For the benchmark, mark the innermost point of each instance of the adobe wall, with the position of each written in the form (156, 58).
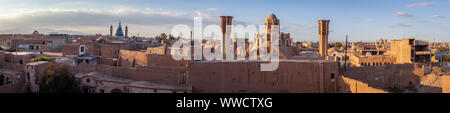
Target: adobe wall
(164, 61)
(16, 87)
(246, 77)
(157, 50)
(388, 76)
(14, 66)
(445, 84)
(106, 61)
(12, 58)
(127, 57)
(2, 59)
(401, 50)
(144, 59)
(348, 85)
(157, 75)
(110, 51)
(432, 83)
(70, 50)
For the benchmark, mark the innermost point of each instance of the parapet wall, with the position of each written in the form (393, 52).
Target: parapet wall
(152, 74)
(388, 76)
(127, 58)
(2, 59)
(348, 85)
(246, 77)
(144, 59)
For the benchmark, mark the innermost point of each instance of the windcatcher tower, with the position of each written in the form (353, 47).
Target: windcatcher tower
(224, 22)
(271, 20)
(323, 38)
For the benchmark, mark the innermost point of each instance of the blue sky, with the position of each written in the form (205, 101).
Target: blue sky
(363, 20)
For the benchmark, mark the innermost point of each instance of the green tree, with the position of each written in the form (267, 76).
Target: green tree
(443, 49)
(58, 79)
(338, 45)
(171, 38)
(42, 59)
(446, 58)
(161, 37)
(298, 43)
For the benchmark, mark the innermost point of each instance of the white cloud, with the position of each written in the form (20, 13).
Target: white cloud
(124, 11)
(91, 21)
(420, 5)
(438, 17)
(403, 14)
(212, 9)
(203, 14)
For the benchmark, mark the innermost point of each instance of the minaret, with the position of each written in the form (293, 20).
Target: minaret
(323, 38)
(111, 30)
(126, 31)
(224, 22)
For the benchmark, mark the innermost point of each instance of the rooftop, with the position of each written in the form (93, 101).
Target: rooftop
(133, 83)
(29, 53)
(37, 63)
(8, 71)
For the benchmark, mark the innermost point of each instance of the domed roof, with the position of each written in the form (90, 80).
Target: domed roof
(119, 31)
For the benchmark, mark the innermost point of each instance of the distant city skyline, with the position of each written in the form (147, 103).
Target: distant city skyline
(363, 20)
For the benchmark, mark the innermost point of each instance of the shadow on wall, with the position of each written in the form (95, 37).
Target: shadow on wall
(348, 85)
(395, 78)
(429, 89)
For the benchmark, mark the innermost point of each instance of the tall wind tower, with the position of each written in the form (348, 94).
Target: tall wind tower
(323, 38)
(224, 22)
(271, 20)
